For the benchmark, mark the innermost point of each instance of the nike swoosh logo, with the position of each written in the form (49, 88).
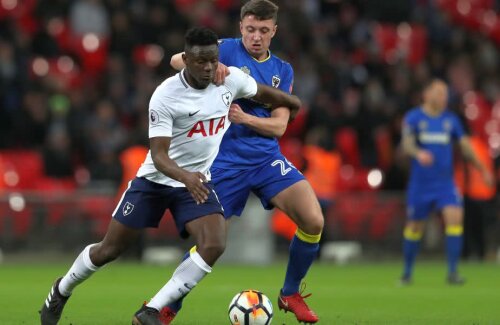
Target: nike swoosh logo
(191, 114)
(285, 303)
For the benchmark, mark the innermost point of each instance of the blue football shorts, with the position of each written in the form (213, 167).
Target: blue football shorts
(144, 203)
(233, 186)
(422, 201)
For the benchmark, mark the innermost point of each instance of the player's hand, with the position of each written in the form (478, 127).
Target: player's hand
(424, 157)
(236, 114)
(195, 184)
(488, 178)
(220, 74)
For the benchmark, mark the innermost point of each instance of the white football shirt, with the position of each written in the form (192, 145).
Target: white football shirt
(195, 119)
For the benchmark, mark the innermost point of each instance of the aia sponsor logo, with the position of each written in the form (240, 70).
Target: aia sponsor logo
(208, 128)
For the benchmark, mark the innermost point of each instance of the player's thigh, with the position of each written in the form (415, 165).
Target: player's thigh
(419, 205)
(300, 203)
(118, 237)
(232, 189)
(186, 211)
(209, 232)
(143, 204)
(451, 205)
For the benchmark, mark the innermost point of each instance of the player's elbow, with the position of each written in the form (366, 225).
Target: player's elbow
(280, 130)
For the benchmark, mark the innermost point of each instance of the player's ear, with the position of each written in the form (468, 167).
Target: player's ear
(241, 27)
(184, 58)
(275, 28)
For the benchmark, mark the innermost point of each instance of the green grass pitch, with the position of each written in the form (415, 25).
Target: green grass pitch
(351, 294)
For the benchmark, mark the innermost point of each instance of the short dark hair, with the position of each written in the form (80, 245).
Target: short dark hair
(200, 36)
(261, 9)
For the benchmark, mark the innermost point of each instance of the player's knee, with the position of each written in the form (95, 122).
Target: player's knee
(314, 224)
(106, 253)
(211, 250)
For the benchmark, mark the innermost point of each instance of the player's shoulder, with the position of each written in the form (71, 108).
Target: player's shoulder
(280, 62)
(170, 87)
(229, 42)
(450, 114)
(414, 113)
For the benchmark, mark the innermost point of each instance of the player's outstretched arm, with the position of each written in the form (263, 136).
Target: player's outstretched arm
(194, 181)
(277, 98)
(468, 153)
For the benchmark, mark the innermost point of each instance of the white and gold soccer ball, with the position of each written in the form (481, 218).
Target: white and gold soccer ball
(250, 307)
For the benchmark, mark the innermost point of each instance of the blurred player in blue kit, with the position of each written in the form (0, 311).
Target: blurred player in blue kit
(250, 159)
(428, 135)
(187, 121)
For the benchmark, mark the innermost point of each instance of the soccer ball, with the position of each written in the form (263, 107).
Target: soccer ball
(250, 307)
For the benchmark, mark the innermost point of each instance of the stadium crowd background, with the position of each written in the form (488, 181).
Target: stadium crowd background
(76, 78)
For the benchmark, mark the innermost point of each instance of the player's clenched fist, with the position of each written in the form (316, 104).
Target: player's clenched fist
(195, 184)
(236, 114)
(425, 158)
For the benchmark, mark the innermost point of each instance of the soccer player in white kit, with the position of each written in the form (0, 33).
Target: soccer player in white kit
(187, 119)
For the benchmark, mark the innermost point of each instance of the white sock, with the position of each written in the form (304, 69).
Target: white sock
(80, 271)
(191, 271)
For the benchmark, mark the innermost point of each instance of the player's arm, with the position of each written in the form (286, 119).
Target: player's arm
(273, 126)
(410, 147)
(469, 154)
(277, 98)
(194, 181)
(222, 71)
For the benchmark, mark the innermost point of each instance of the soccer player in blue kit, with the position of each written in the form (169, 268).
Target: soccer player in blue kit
(428, 134)
(250, 160)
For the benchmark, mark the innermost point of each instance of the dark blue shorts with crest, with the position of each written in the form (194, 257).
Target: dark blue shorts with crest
(144, 203)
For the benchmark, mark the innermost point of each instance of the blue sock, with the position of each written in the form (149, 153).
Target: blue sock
(177, 305)
(410, 251)
(454, 240)
(411, 246)
(302, 255)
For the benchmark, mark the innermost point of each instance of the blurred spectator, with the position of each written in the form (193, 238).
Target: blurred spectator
(89, 16)
(479, 205)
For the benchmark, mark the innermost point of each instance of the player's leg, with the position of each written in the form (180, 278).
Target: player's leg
(412, 236)
(116, 240)
(232, 190)
(300, 203)
(453, 219)
(419, 207)
(279, 184)
(210, 236)
(206, 223)
(134, 212)
(451, 206)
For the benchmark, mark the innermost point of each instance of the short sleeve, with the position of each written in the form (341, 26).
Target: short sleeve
(409, 124)
(240, 84)
(286, 84)
(160, 117)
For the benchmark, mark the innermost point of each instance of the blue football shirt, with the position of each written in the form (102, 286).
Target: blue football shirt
(435, 134)
(242, 147)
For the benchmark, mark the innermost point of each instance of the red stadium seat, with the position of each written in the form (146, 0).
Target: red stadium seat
(346, 141)
(21, 169)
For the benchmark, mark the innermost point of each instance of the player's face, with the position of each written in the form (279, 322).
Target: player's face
(437, 95)
(201, 63)
(256, 35)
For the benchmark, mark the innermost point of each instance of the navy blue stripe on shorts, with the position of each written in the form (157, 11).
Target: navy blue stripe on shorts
(144, 203)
